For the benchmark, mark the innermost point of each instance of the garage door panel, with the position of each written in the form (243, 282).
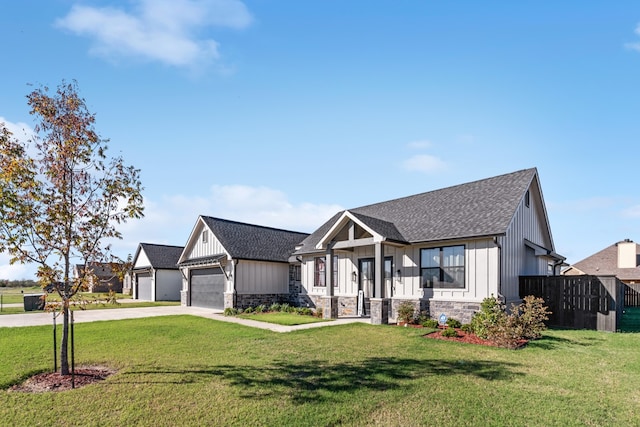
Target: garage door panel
(144, 287)
(207, 288)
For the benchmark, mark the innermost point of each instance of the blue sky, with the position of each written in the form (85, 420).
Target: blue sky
(283, 112)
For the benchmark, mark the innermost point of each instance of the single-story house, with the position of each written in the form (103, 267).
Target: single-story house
(233, 264)
(444, 250)
(101, 276)
(155, 273)
(622, 259)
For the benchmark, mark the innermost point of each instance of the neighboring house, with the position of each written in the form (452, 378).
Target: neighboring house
(233, 264)
(620, 259)
(102, 277)
(444, 250)
(155, 273)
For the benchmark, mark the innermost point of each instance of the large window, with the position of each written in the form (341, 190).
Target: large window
(442, 267)
(319, 277)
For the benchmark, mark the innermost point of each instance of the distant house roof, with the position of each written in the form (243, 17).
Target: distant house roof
(164, 257)
(254, 242)
(476, 209)
(605, 263)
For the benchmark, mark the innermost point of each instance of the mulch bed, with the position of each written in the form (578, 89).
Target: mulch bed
(466, 338)
(53, 381)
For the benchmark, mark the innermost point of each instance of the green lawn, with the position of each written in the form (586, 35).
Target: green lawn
(15, 295)
(96, 306)
(190, 371)
(280, 318)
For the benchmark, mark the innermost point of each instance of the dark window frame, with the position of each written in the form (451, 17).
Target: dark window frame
(443, 276)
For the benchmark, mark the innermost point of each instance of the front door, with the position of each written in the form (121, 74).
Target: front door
(366, 282)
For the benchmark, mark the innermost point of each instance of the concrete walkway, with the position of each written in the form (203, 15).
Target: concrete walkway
(80, 316)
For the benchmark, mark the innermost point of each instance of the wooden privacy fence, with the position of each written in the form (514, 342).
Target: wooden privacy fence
(632, 295)
(580, 302)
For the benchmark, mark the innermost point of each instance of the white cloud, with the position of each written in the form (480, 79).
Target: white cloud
(171, 220)
(419, 145)
(634, 46)
(424, 163)
(20, 130)
(631, 212)
(160, 30)
(15, 271)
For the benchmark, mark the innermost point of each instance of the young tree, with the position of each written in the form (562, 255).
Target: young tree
(61, 197)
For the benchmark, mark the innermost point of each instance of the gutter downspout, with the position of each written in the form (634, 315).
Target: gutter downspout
(499, 246)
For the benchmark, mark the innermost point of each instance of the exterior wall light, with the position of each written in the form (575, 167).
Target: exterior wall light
(354, 277)
(398, 275)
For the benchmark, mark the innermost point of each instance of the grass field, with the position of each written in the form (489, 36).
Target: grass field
(280, 318)
(190, 371)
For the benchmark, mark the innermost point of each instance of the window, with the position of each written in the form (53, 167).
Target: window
(319, 272)
(295, 273)
(527, 199)
(205, 236)
(334, 266)
(442, 267)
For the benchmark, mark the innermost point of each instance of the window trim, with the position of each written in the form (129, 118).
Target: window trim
(441, 283)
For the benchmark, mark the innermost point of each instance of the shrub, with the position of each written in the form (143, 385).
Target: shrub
(453, 323)
(248, 310)
(305, 311)
(286, 308)
(430, 323)
(450, 332)
(532, 313)
(319, 312)
(423, 317)
(492, 312)
(526, 321)
(261, 308)
(406, 312)
(230, 311)
(274, 307)
(467, 328)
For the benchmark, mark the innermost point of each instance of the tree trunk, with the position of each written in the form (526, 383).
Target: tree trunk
(64, 347)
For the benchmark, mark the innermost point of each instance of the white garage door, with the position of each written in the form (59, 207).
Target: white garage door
(207, 288)
(144, 286)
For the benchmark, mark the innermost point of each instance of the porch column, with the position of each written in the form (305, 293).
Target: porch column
(330, 309)
(379, 303)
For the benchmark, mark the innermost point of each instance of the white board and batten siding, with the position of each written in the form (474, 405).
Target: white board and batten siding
(202, 248)
(261, 277)
(481, 272)
(529, 222)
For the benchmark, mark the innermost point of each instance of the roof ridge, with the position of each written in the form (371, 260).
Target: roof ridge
(445, 188)
(266, 227)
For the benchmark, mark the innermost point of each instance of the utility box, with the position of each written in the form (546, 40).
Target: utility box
(33, 302)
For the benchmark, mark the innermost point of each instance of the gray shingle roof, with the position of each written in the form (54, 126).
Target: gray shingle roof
(605, 262)
(475, 209)
(254, 242)
(162, 256)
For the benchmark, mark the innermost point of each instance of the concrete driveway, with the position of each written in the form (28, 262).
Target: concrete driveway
(81, 316)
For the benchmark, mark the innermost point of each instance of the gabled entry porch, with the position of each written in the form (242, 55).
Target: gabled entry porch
(357, 244)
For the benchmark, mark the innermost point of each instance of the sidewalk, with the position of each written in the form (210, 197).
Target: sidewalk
(81, 316)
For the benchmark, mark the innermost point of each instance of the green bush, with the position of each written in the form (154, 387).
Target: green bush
(274, 307)
(532, 313)
(305, 311)
(260, 308)
(467, 328)
(423, 317)
(248, 310)
(230, 311)
(453, 323)
(526, 321)
(430, 323)
(406, 312)
(318, 312)
(286, 308)
(450, 332)
(492, 312)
